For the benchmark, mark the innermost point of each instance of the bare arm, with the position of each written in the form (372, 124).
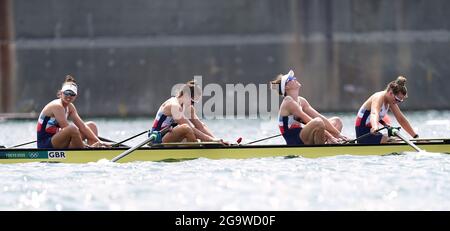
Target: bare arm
(308, 109)
(59, 114)
(402, 120)
(377, 101)
(199, 124)
(180, 118)
(291, 107)
(81, 125)
(295, 109)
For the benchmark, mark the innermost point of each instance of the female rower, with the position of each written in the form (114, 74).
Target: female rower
(370, 115)
(53, 129)
(180, 113)
(295, 110)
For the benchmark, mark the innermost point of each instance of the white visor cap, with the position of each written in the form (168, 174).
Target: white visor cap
(283, 81)
(71, 87)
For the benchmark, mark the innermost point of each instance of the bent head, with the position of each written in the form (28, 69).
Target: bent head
(397, 90)
(285, 83)
(190, 93)
(69, 90)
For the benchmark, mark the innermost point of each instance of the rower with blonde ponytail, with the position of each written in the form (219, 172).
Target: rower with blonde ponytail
(298, 121)
(179, 112)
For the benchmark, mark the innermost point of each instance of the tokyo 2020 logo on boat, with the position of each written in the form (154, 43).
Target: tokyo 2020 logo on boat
(33, 155)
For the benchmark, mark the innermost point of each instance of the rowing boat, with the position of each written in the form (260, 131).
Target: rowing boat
(178, 151)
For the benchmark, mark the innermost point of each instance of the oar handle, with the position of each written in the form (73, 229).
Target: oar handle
(112, 142)
(123, 141)
(270, 137)
(365, 135)
(146, 131)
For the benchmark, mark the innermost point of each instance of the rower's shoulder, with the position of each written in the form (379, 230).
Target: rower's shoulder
(55, 104)
(377, 97)
(173, 102)
(300, 100)
(290, 103)
(169, 104)
(289, 100)
(51, 107)
(378, 94)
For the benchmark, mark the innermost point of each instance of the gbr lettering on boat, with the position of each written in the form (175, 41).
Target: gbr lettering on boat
(56, 155)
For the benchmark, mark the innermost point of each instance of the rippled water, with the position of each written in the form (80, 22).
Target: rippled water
(414, 181)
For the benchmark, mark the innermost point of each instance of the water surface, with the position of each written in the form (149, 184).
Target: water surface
(414, 181)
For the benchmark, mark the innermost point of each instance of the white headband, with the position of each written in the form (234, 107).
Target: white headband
(283, 81)
(70, 86)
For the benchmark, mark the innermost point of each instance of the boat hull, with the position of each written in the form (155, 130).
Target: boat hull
(210, 151)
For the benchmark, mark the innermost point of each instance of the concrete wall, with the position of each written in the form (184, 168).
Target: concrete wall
(126, 55)
(6, 57)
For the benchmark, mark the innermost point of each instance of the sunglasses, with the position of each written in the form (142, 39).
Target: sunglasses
(69, 93)
(290, 78)
(397, 99)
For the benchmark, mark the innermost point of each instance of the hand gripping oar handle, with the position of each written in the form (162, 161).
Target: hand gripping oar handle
(396, 132)
(365, 135)
(152, 137)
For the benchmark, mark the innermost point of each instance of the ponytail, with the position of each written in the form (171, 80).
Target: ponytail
(190, 88)
(70, 79)
(398, 86)
(276, 84)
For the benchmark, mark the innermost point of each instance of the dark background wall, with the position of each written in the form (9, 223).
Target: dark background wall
(127, 55)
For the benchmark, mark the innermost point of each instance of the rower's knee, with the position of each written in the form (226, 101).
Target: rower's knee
(337, 123)
(318, 123)
(185, 129)
(92, 126)
(72, 129)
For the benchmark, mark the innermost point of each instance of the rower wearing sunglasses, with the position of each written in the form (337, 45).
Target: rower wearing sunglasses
(370, 115)
(54, 130)
(296, 111)
(179, 112)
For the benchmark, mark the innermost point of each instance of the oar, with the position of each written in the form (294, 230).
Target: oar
(365, 135)
(106, 139)
(31, 142)
(115, 144)
(15, 146)
(146, 131)
(151, 138)
(270, 137)
(100, 138)
(396, 132)
(34, 141)
(125, 140)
